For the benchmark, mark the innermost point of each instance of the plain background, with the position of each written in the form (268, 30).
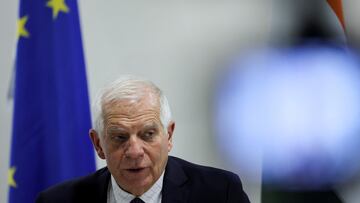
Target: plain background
(180, 45)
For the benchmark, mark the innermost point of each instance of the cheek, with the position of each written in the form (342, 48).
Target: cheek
(157, 152)
(164, 150)
(166, 145)
(114, 156)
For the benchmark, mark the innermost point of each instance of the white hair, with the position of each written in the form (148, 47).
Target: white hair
(125, 88)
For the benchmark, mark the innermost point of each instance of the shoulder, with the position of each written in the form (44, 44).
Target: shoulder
(204, 172)
(91, 187)
(206, 184)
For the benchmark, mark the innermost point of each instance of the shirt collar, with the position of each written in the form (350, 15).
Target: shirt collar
(151, 195)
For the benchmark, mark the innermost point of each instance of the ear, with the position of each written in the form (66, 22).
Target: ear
(94, 136)
(170, 131)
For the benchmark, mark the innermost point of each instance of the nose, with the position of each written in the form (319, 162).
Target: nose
(134, 149)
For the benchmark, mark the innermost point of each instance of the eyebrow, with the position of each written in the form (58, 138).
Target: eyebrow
(152, 125)
(115, 129)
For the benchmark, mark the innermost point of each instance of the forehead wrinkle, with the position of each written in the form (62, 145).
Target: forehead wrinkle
(132, 106)
(132, 116)
(126, 120)
(131, 113)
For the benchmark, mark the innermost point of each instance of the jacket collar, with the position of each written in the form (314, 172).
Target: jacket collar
(175, 179)
(102, 184)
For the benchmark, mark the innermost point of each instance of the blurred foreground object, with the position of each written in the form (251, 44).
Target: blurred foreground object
(296, 108)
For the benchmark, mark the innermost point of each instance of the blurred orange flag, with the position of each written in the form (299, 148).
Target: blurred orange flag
(336, 5)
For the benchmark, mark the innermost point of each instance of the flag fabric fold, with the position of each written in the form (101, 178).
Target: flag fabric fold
(51, 116)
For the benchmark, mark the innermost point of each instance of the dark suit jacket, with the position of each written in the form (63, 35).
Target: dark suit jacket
(183, 182)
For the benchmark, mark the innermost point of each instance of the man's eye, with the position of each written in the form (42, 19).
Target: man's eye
(148, 135)
(119, 138)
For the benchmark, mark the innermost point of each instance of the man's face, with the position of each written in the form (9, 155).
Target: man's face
(135, 144)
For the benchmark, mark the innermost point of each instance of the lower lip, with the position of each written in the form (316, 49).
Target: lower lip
(135, 171)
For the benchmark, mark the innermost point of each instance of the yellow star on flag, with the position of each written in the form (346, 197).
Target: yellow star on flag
(57, 6)
(21, 30)
(11, 180)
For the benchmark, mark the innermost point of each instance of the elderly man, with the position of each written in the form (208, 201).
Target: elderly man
(133, 132)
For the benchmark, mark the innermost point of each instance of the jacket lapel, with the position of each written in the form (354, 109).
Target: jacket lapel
(100, 186)
(174, 186)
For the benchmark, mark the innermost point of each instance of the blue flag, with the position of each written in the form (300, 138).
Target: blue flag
(51, 117)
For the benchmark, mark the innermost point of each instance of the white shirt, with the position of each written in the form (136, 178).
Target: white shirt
(117, 195)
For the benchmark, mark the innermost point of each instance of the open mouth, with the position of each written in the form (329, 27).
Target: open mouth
(135, 170)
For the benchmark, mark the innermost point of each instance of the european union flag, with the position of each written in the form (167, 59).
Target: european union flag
(51, 106)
